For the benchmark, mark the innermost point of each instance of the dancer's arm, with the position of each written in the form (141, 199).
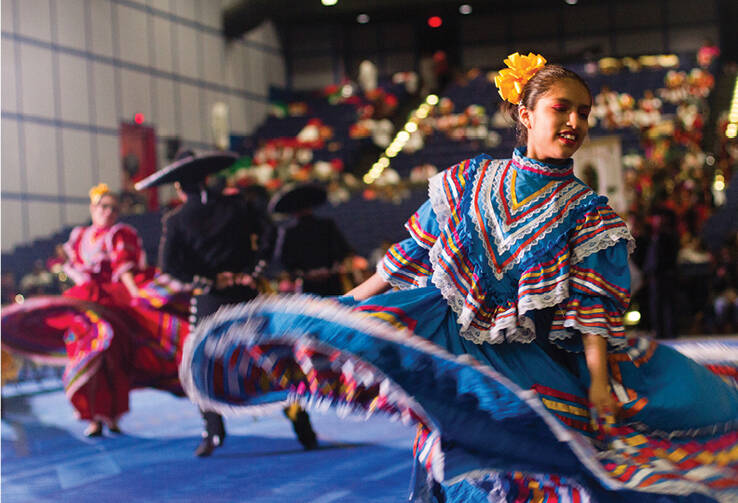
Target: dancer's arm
(595, 352)
(372, 286)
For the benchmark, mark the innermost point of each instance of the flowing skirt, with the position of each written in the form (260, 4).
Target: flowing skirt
(506, 422)
(107, 345)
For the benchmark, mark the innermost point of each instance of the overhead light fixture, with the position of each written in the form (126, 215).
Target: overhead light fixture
(328, 3)
(362, 18)
(571, 2)
(465, 9)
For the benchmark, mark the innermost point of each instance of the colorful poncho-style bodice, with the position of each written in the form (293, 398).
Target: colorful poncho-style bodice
(503, 239)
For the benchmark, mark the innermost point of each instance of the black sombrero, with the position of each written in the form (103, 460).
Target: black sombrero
(189, 169)
(294, 198)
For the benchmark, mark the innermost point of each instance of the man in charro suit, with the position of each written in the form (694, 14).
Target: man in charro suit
(219, 243)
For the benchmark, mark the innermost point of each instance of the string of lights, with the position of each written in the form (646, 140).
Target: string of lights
(732, 130)
(401, 138)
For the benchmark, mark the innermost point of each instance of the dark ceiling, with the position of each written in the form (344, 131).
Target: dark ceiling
(247, 14)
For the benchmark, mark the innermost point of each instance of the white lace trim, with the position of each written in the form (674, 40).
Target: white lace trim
(536, 302)
(572, 324)
(438, 200)
(602, 241)
(613, 341)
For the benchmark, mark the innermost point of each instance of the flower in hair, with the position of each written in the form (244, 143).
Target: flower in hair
(510, 81)
(97, 192)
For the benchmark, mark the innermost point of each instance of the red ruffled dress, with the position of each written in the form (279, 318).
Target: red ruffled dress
(113, 343)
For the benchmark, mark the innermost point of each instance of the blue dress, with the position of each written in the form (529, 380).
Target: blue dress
(479, 344)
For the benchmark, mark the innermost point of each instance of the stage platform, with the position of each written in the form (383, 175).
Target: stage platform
(45, 456)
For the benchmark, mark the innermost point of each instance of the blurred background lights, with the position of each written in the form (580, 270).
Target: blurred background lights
(362, 18)
(435, 21)
(719, 183)
(328, 3)
(465, 9)
(732, 129)
(632, 318)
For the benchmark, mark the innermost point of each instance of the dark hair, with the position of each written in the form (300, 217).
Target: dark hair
(537, 86)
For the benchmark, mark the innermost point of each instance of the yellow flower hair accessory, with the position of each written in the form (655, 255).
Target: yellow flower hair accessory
(510, 81)
(97, 192)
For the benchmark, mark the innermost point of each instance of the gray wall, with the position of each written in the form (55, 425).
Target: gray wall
(72, 70)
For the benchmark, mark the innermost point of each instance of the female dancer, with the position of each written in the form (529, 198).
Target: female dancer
(504, 338)
(114, 337)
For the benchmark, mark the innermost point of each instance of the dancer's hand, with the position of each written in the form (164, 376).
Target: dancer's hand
(602, 400)
(224, 280)
(244, 279)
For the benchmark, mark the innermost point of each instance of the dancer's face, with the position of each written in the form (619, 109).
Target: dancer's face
(558, 124)
(105, 212)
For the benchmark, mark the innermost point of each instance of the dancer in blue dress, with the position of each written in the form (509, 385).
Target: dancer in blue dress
(502, 337)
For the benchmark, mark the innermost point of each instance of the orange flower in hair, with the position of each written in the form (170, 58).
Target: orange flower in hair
(510, 81)
(97, 192)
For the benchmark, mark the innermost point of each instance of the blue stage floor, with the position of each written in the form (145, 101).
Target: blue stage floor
(45, 456)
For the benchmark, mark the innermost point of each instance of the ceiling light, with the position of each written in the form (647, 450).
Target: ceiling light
(435, 21)
(465, 9)
(362, 18)
(328, 3)
(571, 2)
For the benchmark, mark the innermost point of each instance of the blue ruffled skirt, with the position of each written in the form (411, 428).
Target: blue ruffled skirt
(503, 422)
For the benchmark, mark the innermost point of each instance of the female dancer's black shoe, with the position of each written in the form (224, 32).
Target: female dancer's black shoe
(95, 429)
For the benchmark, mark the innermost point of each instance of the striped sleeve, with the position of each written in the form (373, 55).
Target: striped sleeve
(407, 264)
(599, 294)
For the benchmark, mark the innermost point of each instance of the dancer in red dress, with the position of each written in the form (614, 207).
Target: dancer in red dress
(119, 327)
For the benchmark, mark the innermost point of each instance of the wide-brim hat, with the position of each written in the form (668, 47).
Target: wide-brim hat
(189, 169)
(294, 198)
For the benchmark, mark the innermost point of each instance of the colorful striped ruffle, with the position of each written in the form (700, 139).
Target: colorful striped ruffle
(406, 265)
